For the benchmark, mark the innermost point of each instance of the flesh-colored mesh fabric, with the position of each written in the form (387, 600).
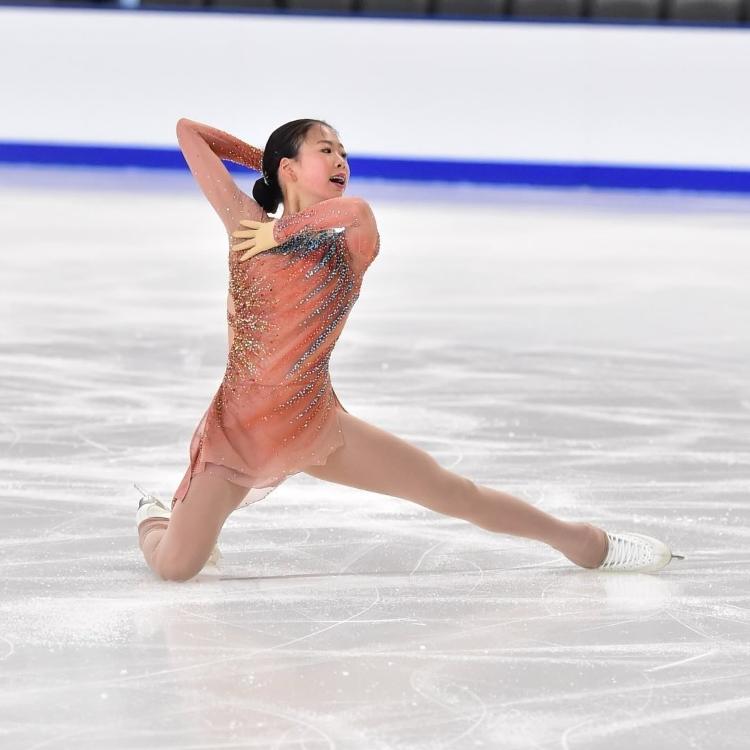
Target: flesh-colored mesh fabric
(275, 411)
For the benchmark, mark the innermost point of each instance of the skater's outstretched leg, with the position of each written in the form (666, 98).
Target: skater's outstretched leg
(178, 549)
(375, 460)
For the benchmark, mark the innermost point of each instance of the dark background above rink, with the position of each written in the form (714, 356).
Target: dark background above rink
(715, 12)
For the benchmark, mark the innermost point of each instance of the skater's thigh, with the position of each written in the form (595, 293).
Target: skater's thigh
(376, 460)
(196, 520)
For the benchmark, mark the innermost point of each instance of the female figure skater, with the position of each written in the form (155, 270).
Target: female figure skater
(292, 284)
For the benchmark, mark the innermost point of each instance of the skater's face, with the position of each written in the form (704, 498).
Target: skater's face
(321, 156)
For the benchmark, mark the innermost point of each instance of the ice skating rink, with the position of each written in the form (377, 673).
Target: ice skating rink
(588, 351)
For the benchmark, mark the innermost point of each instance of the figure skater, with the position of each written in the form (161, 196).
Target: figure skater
(292, 283)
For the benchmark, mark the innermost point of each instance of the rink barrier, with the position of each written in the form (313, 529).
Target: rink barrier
(548, 174)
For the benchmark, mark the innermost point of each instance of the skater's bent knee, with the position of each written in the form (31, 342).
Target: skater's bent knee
(178, 569)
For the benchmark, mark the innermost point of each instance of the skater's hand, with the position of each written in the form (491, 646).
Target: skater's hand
(259, 237)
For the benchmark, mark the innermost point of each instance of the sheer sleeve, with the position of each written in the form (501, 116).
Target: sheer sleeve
(353, 215)
(204, 148)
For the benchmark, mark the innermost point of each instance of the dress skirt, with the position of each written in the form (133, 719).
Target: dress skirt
(213, 445)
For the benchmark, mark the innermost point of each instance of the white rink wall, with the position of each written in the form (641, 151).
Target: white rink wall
(467, 91)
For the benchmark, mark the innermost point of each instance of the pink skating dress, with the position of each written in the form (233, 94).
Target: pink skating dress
(275, 412)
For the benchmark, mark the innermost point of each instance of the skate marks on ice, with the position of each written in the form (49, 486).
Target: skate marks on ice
(587, 352)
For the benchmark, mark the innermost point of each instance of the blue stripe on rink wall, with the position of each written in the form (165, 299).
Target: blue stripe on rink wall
(499, 173)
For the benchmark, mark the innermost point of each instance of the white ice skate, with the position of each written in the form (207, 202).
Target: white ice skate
(151, 506)
(638, 553)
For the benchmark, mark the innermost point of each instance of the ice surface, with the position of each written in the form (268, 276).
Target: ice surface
(588, 351)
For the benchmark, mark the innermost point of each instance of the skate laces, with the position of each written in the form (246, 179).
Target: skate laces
(627, 552)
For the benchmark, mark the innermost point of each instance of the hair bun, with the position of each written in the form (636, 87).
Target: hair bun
(265, 195)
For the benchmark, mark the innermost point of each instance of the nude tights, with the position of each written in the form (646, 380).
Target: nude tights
(374, 460)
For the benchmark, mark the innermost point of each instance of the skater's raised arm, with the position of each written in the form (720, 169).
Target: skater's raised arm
(204, 147)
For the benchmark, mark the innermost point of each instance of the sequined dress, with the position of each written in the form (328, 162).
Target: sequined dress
(275, 411)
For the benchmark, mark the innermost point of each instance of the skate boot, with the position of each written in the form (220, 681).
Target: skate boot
(637, 553)
(151, 506)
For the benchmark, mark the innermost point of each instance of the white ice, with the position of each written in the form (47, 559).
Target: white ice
(588, 351)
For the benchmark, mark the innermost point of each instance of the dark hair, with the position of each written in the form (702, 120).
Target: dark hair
(283, 142)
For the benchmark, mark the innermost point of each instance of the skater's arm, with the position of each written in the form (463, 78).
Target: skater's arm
(204, 147)
(354, 215)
